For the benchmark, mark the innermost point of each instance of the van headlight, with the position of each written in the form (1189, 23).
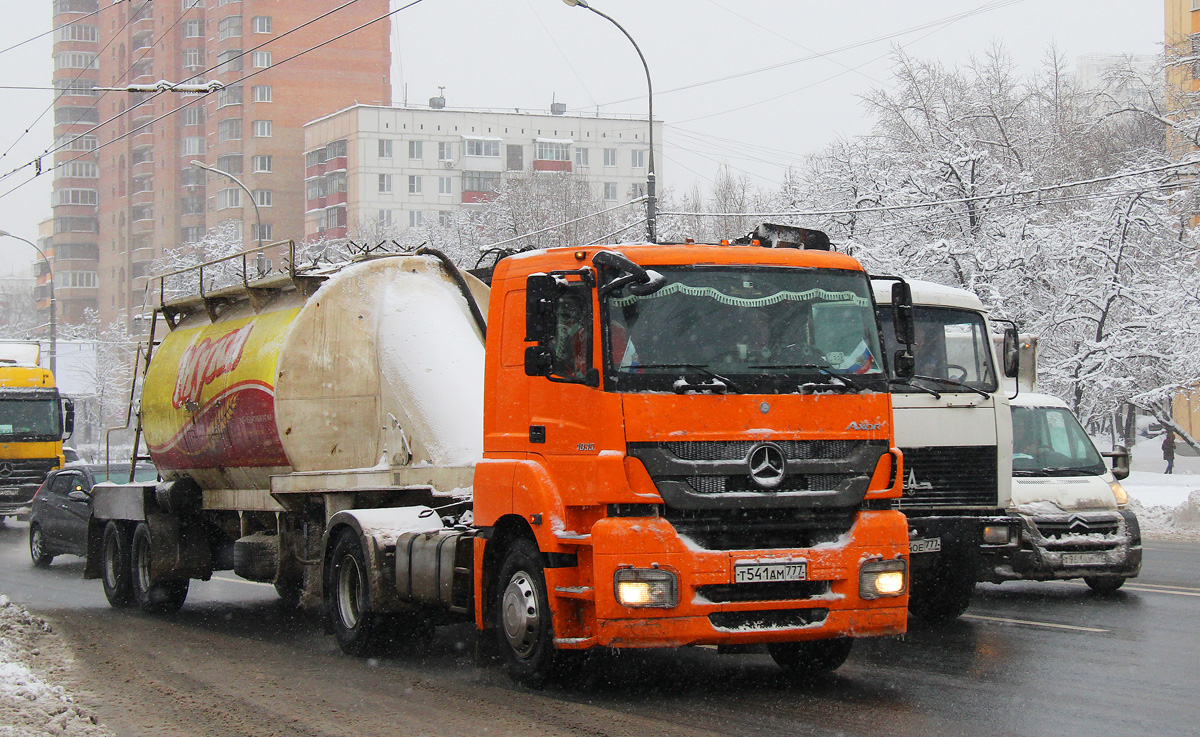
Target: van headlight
(646, 587)
(881, 578)
(1120, 493)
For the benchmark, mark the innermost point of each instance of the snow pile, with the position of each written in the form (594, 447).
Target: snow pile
(29, 705)
(1163, 522)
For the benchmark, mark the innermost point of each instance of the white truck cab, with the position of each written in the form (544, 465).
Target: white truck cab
(1071, 505)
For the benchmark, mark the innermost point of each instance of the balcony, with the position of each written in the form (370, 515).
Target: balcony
(145, 254)
(551, 165)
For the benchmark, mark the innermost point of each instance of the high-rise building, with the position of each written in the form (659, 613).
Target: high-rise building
(130, 191)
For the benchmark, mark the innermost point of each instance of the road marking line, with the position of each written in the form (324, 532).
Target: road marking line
(242, 580)
(1052, 625)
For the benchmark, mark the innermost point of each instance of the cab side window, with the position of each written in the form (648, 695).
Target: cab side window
(573, 334)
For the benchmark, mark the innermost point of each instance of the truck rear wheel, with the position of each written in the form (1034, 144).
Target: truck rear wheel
(359, 631)
(811, 658)
(153, 596)
(114, 562)
(523, 618)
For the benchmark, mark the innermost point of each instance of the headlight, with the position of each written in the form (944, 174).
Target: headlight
(996, 534)
(1120, 493)
(646, 587)
(880, 578)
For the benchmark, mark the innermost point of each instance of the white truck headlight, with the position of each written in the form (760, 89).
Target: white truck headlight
(880, 578)
(1120, 493)
(646, 587)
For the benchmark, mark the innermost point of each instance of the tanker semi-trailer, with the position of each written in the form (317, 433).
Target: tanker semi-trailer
(644, 446)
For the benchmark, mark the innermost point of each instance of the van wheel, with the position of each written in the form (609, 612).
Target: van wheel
(1104, 584)
(803, 659)
(114, 562)
(153, 596)
(524, 622)
(37, 547)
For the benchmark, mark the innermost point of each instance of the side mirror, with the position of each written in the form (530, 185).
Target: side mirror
(68, 417)
(539, 361)
(78, 496)
(902, 314)
(1011, 352)
(540, 298)
(1120, 461)
(903, 364)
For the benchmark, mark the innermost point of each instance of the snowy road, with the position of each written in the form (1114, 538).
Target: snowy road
(1029, 659)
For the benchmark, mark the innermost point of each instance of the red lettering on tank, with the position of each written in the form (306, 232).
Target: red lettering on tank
(206, 360)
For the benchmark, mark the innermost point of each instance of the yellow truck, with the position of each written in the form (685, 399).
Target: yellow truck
(34, 418)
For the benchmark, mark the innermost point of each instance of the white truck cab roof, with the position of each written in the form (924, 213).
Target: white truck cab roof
(929, 293)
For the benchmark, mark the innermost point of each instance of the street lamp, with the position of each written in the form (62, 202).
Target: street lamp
(53, 309)
(651, 195)
(257, 214)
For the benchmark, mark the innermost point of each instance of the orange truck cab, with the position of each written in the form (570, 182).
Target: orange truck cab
(699, 439)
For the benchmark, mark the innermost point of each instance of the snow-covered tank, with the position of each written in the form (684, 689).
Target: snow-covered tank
(381, 367)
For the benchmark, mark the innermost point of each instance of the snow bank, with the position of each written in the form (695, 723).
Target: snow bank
(1163, 522)
(29, 705)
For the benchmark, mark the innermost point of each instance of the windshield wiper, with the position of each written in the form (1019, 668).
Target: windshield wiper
(908, 382)
(822, 368)
(952, 382)
(699, 367)
(1066, 471)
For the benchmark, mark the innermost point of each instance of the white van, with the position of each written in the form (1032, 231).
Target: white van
(1072, 508)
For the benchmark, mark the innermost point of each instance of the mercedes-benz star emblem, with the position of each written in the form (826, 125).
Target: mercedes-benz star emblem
(767, 465)
(6, 470)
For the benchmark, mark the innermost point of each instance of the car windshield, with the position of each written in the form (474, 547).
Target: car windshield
(29, 419)
(1048, 441)
(750, 328)
(951, 344)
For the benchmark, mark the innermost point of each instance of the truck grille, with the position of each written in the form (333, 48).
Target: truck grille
(951, 476)
(759, 529)
(739, 450)
(769, 591)
(808, 482)
(23, 471)
(777, 619)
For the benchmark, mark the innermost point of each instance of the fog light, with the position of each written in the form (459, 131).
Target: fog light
(1120, 493)
(996, 534)
(881, 578)
(646, 587)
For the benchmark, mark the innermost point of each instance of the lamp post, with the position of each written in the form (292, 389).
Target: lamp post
(257, 214)
(53, 307)
(651, 195)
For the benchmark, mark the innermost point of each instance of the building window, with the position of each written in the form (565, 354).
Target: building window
(610, 190)
(385, 217)
(142, 212)
(262, 129)
(85, 279)
(553, 151)
(191, 233)
(77, 87)
(262, 93)
(445, 186)
(385, 148)
(637, 157)
(192, 145)
(335, 149)
(335, 217)
(480, 147)
(335, 182)
(581, 157)
(190, 176)
(231, 163)
(75, 32)
(480, 181)
(262, 23)
(445, 151)
(193, 115)
(231, 197)
(262, 197)
(610, 157)
(639, 189)
(314, 189)
(229, 61)
(191, 206)
(262, 164)
(385, 184)
(79, 169)
(192, 58)
(76, 114)
(265, 234)
(193, 29)
(414, 185)
(75, 60)
(74, 197)
(262, 59)
(315, 158)
(414, 218)
(229, 27)
(231, 95)
(230, 130)
(416, 150)
(444, 218)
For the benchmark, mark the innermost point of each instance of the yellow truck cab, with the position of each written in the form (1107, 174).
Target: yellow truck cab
(33, 422)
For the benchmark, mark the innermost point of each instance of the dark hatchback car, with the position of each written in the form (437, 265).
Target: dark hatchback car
(58, 523)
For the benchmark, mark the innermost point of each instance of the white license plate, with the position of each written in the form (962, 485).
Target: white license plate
(1082, 559)
(926, 545)
(765, 572)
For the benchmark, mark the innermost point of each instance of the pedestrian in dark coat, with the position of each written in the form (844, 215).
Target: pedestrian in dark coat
(1168, 448)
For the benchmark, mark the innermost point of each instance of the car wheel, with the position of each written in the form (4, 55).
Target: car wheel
(115, 572)
(154, 596)
(37, 547)
(812, 658)
(524, 621)
(1104, 584)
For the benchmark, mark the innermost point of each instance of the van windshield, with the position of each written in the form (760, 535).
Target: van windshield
(753, 328)
(1049, 441)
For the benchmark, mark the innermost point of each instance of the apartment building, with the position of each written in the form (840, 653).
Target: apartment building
(127, 191)
(414, 166)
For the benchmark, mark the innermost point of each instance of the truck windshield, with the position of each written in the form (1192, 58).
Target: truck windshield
(1048, 441)
(29, 419)
(951, 344)
(743, 329)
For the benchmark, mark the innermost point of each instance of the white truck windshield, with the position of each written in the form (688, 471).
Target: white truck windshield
(951, 344)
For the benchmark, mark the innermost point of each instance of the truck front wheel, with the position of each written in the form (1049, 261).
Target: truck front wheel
(804, 659)
(940, 594)
(523, 618)
(153, 596)
(114, 561)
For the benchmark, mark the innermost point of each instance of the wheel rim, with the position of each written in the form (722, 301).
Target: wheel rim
(142, 563)
(110, 561)
(521, 617)
(348, 589)
(35, 543)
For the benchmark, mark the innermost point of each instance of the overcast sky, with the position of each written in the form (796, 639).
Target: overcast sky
(524, 53)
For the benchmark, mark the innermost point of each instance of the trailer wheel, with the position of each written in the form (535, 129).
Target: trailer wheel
(804, 659)
(1104, 584)
(523, 619)
(153, 596)
(359, 631)
(37, 547)
(941, 595)
(116, 574)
